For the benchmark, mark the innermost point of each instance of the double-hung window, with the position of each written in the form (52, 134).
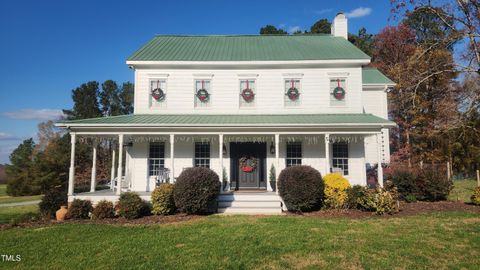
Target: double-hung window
(338, 92)
(202, 154)
(292, 89)
(294, 154)
(158, 93)
(203, 93)
(248, 92)
(156, 158)
(340, 156)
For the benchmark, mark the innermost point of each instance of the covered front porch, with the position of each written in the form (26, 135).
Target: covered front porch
(146, 155)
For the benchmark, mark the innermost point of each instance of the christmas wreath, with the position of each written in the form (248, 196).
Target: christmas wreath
(158, 94)
(248, 164)
(247, 94)
(293, 93)
(339, 93)
(203, 95)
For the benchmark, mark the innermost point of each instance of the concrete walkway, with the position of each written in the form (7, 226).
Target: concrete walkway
(19, 203)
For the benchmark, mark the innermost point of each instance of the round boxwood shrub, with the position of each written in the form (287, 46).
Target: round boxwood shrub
(355, 195)
(196, 191)
(103, 209)
(162, 200)
(476, 196)
(51, 201)
(335, 190)
(380, 201)
(301, 188)
(79, 209)
(131, 206)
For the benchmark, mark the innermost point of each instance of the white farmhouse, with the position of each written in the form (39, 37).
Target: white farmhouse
(240, 105)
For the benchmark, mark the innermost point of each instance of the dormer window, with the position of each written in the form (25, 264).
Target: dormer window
(292, 90)
(158, 93)
(248, 93)
(203, 93)
(338, 92)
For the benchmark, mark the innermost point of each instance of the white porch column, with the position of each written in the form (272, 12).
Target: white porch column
(93, 178)
(220, 157)
(172, 156)
(71, 173)
(277, 156)
(120, 161)
(379, 155)
(327, 153)
(112, 172)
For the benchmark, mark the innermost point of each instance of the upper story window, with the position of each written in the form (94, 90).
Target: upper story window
(338, 92)
(158, 93)
(203, 93)
(292, 92)
(156, 158)
(202, 154)
(340, 157)
(248, 93)
(294, 154)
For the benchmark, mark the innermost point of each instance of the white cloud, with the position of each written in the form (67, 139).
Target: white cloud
(34, 114)
(323, 11)
(7, 137)
(293, 29)
(359, 12)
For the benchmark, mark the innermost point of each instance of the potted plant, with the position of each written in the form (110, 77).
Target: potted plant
(273, 182)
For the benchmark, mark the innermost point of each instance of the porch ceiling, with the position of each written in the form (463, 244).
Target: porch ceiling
(232, 120)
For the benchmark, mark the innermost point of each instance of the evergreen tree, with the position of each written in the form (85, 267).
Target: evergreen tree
(19, 172)
(126, 97)
(272, 30)
(85, 102)
(109, 99)
(322, 26)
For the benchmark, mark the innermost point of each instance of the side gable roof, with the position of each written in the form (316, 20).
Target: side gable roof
(248, 48)
(374, 76)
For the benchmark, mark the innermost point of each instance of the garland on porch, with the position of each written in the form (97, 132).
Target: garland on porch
(248, 164)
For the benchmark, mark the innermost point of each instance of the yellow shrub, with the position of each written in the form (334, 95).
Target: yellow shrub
(335, 190)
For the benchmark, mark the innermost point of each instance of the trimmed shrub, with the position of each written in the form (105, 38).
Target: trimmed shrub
(433, 185)
(131, 206)
(355, 195)
(301, 188)
(162, 200)
(335, 190)
(405, 182)
(476, 196)
(103, 209)
(51, 202)
(379, 201)
(80, 209)
(196, 191)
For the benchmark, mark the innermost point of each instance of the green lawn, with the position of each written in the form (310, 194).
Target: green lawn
(9, 213)
(4, 198)
(443, 240)
(462, 190)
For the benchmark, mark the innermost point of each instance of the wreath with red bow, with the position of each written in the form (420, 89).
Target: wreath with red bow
(203, 95)
(338, 93)
(248, 164)
(158, 94)
(248, 95)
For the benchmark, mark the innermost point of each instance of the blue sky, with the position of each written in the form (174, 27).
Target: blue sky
(47, 47)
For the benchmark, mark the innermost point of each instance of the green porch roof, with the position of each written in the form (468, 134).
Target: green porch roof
(162, 120)
(374, 76)
(247, 48)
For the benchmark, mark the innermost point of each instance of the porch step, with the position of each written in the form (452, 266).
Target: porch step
(250, 203)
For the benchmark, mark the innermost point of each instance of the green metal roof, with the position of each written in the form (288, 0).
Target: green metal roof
(374, 76)
(230, 120)
(247, 48)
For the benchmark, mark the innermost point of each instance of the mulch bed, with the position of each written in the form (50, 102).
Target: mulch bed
(406, 209)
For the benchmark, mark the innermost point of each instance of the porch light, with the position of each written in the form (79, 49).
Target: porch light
(272, 148)
(224, 149)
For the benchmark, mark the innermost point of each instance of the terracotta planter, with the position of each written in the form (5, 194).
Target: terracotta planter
(61, 213)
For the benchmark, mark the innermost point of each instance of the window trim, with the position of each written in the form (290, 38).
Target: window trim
(296, 159)
(208, 160)
(255, 91)
(347, 91)
(160, 105)
(342, 158)
(160, 159)
(286, 100)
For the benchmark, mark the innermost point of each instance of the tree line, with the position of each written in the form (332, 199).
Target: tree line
(36, 167)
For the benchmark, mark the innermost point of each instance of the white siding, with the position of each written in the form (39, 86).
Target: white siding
(315, 95)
